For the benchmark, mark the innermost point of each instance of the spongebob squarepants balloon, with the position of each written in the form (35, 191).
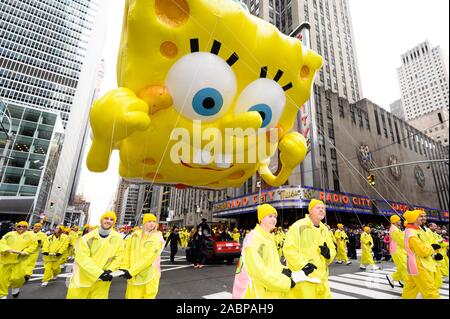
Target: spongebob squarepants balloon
(192, 66)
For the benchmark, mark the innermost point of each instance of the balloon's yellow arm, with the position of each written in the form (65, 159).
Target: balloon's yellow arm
(293, 150)
(119, 114)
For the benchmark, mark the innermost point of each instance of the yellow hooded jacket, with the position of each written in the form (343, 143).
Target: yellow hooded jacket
(426, 236)
(25, 242)
(54, 245)
(94, 255)
(141, 257)
(262, 269)
(366, 246)
(341, 242)
(301, 247)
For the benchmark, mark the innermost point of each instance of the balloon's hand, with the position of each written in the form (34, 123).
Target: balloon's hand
(293, 149)
(113, 118)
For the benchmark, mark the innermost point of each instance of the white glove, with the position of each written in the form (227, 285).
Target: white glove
(299, 276)
(117, 273)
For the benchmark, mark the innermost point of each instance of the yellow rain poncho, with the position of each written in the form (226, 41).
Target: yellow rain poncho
(341, 242)
(93, 256)
(31, 261)
(366, 247)
(421, 267)
(142, 261)
(12, 265)
(53, 250)
(259, 272)
(398, 253)
(301, 247)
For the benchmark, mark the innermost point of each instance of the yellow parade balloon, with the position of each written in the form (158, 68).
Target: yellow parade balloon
(191, 72)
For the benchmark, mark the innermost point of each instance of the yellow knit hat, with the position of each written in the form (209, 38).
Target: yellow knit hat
(394, 219)
(38, 224)
(313, 203)
(422, 212)
(110, 215)
(148, 218)
(87, 226)
(264, 210)
(411, 215)
(367, 229)
(340, 225)
(22, 223)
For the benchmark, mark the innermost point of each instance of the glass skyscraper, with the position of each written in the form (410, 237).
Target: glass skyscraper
(42, 48)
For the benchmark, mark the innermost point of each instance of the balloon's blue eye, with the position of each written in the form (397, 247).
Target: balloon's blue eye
(265, 111)
(207, 102)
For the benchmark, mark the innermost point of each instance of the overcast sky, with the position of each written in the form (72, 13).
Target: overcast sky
(383, 31)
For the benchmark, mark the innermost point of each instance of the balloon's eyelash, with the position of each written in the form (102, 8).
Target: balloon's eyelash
(277, 77)
(195, 47)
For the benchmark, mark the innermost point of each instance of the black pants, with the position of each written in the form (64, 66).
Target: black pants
(352, 253)
(198, 257)
(173, 252)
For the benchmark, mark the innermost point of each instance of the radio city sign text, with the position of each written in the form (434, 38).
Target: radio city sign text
(293, 194)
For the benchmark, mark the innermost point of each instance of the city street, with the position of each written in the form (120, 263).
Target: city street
(215, 281)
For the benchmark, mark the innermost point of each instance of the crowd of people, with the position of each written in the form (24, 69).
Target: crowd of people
(275, 262)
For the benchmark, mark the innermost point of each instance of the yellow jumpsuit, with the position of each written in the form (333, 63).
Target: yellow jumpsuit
(32, 259)
(142, 260)
(441, 264)
(398, 253)
(259, 272)
(421, 267)
(94, 255)
(73, 237)
(341, 242)
(301, 247)
(366, 246)
(53, 245)
(427, 236)
(12, 266)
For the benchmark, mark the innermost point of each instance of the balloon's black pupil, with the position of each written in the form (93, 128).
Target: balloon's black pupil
(263, 115)
(209, 103)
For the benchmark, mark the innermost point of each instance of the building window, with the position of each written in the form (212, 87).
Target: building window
(396, 131)
(352, 114)
(377, 122)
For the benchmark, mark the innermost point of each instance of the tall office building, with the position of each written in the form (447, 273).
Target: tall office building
(76, 131)
(397, 109)
(331, 36)
(23, 155)
(423, 79)
(43, 46)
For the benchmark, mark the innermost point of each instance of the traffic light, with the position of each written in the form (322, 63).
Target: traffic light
(52, 204)
(371, 180)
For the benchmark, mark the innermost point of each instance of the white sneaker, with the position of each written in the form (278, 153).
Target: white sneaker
(4, 297)
(362, 267)
(338, 262)
(15, 292)
(348, 263)
(374, 267)
(44, 284)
